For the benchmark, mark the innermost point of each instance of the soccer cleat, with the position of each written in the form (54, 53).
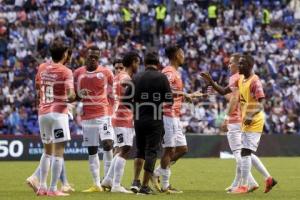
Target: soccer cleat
(171, 190)
(145, 191)
(33, 182)
(120, 189)
(240, 190)
(270, 183)
(155, 183)
(42, 192)
(252, 188)
(57, 193)
(94, 188)
(229, 189)
(106, 184)
(67, 188)
(136, 185)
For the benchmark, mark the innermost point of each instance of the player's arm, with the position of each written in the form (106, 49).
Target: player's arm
(166, 91)
(221, 90)
(37, 89)
(233, 102)
(127, 98)
(69, 84)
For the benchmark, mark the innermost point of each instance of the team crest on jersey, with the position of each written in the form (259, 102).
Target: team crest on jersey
(100, 75)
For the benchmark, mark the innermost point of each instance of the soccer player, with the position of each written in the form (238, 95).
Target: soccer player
(33, 181)
(123, 124)
(174, 141)
(251, 100)
(232, 124)
(118, 66)
(54, 85)
(92, 82)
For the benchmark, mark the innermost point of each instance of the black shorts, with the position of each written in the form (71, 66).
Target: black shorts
(148, 136)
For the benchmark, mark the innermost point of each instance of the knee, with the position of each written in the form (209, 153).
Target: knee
(246, 152)
(93, 150)
(124, 153)
(140, 154)
(107, 145)
(150, 159)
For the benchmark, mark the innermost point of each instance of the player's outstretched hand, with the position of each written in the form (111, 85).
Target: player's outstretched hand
(207, 77)
(224, 126)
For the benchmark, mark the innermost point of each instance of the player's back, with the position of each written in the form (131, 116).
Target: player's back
(123, 115)
(95, 104)
(53, 80)
(176, 84)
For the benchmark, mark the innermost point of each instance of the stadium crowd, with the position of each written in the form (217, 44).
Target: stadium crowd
(270, 31)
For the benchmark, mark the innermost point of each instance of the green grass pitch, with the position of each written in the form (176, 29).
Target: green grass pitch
(198, 178)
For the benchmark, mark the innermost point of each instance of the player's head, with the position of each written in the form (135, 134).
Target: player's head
(92, 59)
(246, 63)
(118, 66)
(175, 54)
(234, 63)
(58, 51)
(151, 59)
(131, 60)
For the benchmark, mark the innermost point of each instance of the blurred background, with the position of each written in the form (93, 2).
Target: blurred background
(208, 31)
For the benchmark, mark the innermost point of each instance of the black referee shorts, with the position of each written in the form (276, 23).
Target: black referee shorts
(148, 140)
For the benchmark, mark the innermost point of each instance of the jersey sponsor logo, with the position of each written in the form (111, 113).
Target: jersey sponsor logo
(120, 138)
(58, 133)
(100, 75)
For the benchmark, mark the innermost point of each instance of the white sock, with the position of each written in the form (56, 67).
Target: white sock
(107, 158)
(238, 176)
(165, 181)
(251, 180)
(245, 169)
(94, 163)
(110, 173)
(260, 166)
(157, 171)
(37, 172)
(56, 168)
(118, 171)
(44, 169)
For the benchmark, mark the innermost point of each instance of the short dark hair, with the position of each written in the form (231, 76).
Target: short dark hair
(249, 59)
(236, 57)
(171, 51)
(117, 60)
(57, 49)
(129, 58)
(151, 58)
(94, 48)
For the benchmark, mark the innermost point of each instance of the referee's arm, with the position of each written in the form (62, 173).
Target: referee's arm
(128, 97)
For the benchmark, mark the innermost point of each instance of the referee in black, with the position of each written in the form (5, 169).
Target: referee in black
(149, 91)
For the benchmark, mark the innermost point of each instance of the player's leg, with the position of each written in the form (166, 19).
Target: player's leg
(45, 124)
(234, 137)
(137, 168)
(168, 144)
(125, 142)
(107, 139)
(65, 187)
(91, 136)
(250, 143)
(61, 134)
(270, 182)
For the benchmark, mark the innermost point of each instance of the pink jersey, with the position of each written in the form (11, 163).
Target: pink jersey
(176, 85)
(53, 81)
(235, 116)
(95, 103)
(123, 116)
